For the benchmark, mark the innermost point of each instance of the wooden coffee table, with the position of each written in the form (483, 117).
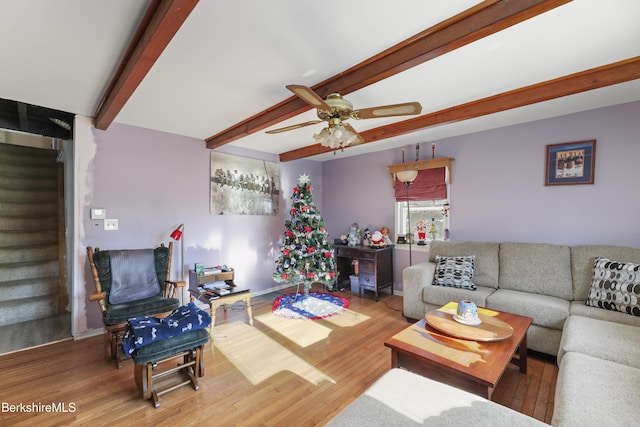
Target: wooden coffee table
(474, 366)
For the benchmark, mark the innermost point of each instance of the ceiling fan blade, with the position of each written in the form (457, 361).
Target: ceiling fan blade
(309, 96)
(406, 109)
(292, 127)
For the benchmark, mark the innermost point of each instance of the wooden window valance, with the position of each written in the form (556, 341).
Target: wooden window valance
(442, 162)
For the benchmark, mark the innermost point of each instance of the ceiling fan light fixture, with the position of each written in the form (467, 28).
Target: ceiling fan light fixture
(338, 132)
(335, 136)
(322, 137)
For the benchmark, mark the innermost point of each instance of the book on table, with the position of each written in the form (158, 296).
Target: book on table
(219, 288)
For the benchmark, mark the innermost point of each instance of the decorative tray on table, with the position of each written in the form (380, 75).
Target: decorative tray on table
(490, 328)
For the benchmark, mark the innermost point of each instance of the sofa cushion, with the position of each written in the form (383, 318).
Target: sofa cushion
(595, 392)
(414, 280)
(536, 268)
(486, 268)
(441, 295)
(547, 311)
(455, 271)
(544, 340)
(604, 340)
(615, 286)
(402, 398)
(583, 258)
(578, 308)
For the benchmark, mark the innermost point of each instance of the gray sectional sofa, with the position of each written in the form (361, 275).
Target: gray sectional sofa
(598, 349)
(545, 282)
(401, 398)
(599, 375)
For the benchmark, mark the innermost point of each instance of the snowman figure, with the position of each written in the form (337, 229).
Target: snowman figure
(354, 235)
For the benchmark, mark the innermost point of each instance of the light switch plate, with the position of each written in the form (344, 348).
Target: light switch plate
(110, 224)
(98, 213)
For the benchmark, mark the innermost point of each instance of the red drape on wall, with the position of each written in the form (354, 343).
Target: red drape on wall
(429, 185)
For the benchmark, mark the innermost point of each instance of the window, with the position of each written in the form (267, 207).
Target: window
(422, 207)
(431, 214)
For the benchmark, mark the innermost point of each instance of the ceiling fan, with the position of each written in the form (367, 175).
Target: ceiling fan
(335, 110)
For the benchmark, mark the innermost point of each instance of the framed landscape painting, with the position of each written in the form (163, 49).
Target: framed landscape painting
(570, 163)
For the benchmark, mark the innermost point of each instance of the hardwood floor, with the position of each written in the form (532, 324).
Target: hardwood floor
(281, 372)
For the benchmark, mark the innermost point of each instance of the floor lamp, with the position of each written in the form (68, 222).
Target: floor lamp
(177, 236)
(407, 177)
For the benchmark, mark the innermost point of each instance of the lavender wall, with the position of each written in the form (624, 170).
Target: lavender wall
(498, 191)
(357, 189)
(152, 182)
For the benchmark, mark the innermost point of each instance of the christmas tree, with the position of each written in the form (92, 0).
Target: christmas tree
(306, 257)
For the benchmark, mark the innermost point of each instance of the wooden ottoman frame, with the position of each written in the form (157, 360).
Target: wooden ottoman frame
(148, 376)
(153, 381)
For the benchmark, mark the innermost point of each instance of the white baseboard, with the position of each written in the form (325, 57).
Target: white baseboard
(88, 333)
(272, 289)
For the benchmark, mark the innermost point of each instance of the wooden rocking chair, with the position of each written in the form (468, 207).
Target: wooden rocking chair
(131, 283)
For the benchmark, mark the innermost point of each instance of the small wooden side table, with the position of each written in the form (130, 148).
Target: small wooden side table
(230, 298)
(215, 301)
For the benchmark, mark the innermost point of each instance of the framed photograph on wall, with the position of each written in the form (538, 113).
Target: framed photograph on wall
(243, 186)
(570, 163)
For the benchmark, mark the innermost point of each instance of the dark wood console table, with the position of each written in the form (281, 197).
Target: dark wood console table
(375, 266)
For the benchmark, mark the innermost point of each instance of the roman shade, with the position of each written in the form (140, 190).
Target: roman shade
(429, 185)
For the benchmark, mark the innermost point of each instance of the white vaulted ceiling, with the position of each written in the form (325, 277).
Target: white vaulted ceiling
(231, 60)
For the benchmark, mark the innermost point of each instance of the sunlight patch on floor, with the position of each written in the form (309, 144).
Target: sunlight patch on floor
(347, 318)
(259, 357)
(303, 332)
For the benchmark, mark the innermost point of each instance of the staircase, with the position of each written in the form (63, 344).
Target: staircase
(30, 251)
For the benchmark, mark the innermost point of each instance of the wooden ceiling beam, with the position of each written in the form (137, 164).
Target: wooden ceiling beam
(160, 23)
(473, 24)
(606, 75)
